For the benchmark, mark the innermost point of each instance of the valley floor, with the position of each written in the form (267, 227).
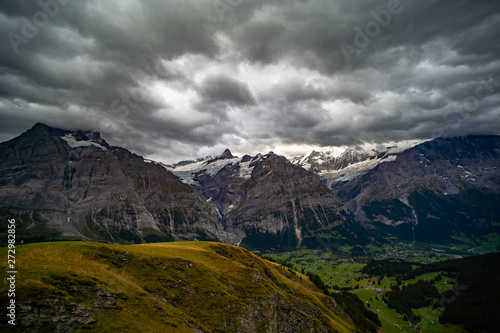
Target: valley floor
(339, 270)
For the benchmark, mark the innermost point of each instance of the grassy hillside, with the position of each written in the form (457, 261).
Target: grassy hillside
(168, 287)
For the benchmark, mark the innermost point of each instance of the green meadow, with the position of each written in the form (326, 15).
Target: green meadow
(338, 271)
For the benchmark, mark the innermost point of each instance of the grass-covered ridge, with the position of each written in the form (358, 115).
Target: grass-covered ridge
(167, 287)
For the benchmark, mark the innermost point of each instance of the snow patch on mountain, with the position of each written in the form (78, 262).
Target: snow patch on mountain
(324, 158)
(246, 170)
(74, 143)
(213, 168)
(188, 172)
(353, 171)
(342, 164)
(319, 157)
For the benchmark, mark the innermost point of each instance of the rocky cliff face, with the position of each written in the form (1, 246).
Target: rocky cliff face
(269, 202)
(61, 183)
(435, 191)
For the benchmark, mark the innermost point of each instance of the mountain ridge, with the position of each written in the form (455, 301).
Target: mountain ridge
(61, 183)
(74, 184)
(270, 197)
(53, 180)
(436, 191)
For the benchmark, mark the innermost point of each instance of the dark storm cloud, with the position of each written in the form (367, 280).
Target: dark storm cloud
(436, 55)
(260, 39)
(224, 89)
(93, 55)
(296, 89)
(167, 77)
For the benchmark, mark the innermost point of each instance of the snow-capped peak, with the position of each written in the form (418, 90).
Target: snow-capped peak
(209, 165)
(346, 163)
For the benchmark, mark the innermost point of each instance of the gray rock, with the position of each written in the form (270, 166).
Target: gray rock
(73, 184)
(60, 313)
(104, 300)
(76, 184)
(431, 192)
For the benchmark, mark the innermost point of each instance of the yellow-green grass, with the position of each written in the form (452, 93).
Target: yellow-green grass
(167, 287)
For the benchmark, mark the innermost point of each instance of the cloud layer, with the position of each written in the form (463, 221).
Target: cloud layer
(181, 78)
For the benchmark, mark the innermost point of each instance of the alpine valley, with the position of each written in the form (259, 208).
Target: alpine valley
(341, 240)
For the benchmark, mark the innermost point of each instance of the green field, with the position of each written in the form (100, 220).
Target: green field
(346, 273)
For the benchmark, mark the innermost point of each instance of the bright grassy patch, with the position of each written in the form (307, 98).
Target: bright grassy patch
(167, 287)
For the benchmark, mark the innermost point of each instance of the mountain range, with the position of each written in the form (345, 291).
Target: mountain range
(72, 184)
(434, 191)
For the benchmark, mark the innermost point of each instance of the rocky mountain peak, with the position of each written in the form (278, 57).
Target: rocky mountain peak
(76, 138)
(42, 130)
(89, 135)
(246, 158)
(226, 154)
(72, 184)
(41, 126)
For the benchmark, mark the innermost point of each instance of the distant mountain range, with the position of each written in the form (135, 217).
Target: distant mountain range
(344, 164)
(61, 184)
(435, 191)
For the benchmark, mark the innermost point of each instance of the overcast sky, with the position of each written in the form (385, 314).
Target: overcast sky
(176, 79)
